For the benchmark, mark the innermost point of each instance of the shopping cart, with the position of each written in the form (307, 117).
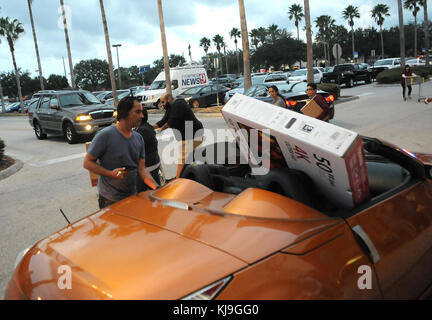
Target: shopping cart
(417, 80)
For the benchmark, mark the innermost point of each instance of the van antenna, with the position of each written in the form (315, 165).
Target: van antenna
(65, 216)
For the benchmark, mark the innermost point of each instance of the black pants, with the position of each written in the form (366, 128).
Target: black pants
(141, 186)
(403, 90)
(104, 202)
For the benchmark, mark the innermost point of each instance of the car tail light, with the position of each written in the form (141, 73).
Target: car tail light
(291, 103)
(209, 292)
(330, 98)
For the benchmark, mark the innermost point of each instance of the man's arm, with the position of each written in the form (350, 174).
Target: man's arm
(145, 175)
(162, 121)
(323, 104)
(90, 163)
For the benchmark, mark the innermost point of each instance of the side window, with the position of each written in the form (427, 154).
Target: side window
(174, 84)
(45, 103)
(250, 92)
(208, 89)
(316, 71)
(54, 102)
(357, 67)
(109, 96)
(262, 92)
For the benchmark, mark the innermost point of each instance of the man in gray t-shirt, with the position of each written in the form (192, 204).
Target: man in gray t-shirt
(120, 151)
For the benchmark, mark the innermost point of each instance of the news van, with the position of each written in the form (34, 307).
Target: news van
(182, 78)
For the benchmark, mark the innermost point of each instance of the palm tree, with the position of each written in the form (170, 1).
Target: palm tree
(325, 25)
(29, 2)
(235, 33)
(108, 47)
(310, 77)
(254, 35)
(67, 44)
(11, 30)
(273, 31)
(296, 12)
(164, 49)
(1, 97)
(426, 30)
(245, 43)
(349, 14)
(401, 33)
(226, 58)
(205, 43)
(414, 6)
(218, 40)
(262, 35)
(378, 13)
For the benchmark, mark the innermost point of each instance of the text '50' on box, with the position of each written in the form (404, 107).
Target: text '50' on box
(331, 156)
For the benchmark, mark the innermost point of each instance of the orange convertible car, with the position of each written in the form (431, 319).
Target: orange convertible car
(221, 233)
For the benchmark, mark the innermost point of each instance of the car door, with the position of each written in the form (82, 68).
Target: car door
(206, 96)
(397, 233)
(43, 112)
(56, 114)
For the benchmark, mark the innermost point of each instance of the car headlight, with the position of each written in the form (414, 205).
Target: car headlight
(115, 114)
(188, 99)
(209, 292)
(83, 117)
(20, 255)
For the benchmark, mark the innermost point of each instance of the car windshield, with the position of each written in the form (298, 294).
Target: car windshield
(298, 73)
(329, 69)
(384, 62)
(158, 85)
(100, 95)
(140, 90)
(77, 99)
(193, 90)
(123, 94)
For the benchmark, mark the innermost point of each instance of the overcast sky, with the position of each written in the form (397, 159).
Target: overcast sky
(135, 25)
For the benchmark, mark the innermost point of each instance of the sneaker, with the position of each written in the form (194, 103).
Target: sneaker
(404, 98)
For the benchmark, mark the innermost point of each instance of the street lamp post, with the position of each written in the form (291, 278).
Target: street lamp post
(118, 63)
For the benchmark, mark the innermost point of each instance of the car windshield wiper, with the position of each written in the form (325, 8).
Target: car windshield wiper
(72, 104)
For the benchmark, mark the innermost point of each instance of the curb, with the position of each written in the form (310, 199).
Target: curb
(347, 99)
(11, 170)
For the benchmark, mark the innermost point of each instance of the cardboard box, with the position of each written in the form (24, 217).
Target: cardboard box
(312, 109)
(332, 156)
(93, 176)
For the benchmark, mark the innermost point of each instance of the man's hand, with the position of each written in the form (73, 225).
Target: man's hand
(119, 173)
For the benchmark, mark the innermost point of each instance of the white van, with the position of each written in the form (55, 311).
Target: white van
(182, 78)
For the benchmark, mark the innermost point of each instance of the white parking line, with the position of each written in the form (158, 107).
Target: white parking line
(164, 137)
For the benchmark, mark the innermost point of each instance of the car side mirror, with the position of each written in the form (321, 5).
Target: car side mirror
(54, 106)
(103, 100)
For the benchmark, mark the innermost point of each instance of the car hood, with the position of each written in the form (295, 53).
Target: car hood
(152, 92)
(145, 247)
(90, 108)
(297, 78)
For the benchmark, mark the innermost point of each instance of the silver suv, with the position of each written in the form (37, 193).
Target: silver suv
(71, 113)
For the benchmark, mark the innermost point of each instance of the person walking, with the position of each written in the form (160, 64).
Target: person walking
(406, 81)
(152, 158)
(278, 99)
(311, 91)
(121, 155)
(188, 129)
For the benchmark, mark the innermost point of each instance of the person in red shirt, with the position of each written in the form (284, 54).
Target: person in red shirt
(311, 91)
(406, 73)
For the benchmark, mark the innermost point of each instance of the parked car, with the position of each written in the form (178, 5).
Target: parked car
(240, 87)
(71, 113)
(415, 62)
(220, 232)
(120, 94)
(349, 74)
(14, 107)
(108, 96)
(301, 75)
(273, 77)
(384, 64)
(27, 103)
(137, 89)
(294, 93)
(203, 96)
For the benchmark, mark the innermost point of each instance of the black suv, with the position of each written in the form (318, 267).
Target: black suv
(349, 74)
(72, 113)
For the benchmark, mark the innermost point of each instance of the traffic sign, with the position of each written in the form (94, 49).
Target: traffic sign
(355, 54)
(144, 68)
(337, 50)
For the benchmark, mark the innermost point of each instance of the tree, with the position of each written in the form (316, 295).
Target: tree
(57, 82)
(296, 12)
(108, 48)
(426, 30)
(402, 33)
(254, 34)
(11, 30)
(67, 44)
(245, 44)
(349, 14)
(273, 31)
(325, 25)
(205, 43)
(378, 13)
(218, 41)
(29, 2)
(414, 6)
(262, 35)
(235, 33)
(164, 47)
(225, 56)
(92, 74)
(310, 77)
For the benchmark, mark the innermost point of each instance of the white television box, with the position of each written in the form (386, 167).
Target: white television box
(332, 156)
